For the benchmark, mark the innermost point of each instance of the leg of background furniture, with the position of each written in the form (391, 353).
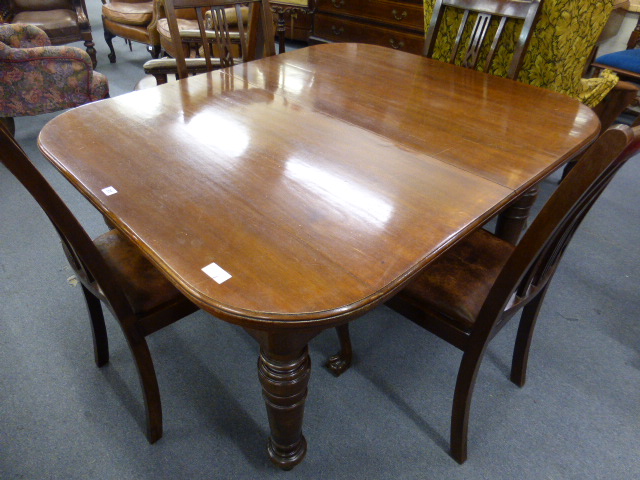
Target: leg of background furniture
(523, 339)
(154, 50)
(90, 46)
(469, 366)
(341, 361)
(98, 328)
(108, 37)
(513, 220)
(281, 27)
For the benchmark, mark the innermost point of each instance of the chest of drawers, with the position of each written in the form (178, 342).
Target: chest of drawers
(397, 24)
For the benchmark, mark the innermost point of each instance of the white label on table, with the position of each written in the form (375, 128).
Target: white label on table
(109, 191)
(217, 273)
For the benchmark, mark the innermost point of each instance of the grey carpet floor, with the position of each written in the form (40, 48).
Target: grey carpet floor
(387, 418)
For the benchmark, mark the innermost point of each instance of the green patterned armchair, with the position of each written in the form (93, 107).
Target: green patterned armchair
(558, 53)
(36, 77)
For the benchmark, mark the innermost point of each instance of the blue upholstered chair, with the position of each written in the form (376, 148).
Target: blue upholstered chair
(625, 63)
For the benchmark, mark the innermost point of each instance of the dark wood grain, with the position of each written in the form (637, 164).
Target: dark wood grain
(314, 180)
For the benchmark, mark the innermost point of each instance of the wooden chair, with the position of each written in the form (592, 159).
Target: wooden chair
(111, 270)
(64, 21)
(188, 25)
(626, 63)
(218, 39)
(470, 46)
(468, 294)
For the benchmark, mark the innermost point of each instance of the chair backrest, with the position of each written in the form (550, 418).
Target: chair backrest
(257, 42)
(470, 45)
(80, 250)
(40, 5)
(535, 258)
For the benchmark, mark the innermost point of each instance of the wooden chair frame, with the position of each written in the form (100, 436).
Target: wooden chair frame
(486, 10)
(257, 42)
(99, 283)
(521, 283)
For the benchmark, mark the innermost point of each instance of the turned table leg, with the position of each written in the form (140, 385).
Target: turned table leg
(513, 221)
(284, 382)
(284, 368)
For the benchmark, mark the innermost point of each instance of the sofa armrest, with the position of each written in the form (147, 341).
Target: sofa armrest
(19, 35)
(44, 79)
(616, 101)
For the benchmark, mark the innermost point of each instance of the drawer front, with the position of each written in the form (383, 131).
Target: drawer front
(410, 16)
(335, 29)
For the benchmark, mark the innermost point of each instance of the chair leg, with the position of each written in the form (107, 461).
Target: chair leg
(523, 339)
(9, 124)
(90, 46)
(98, 328)
(149, 384)
(341, 361)
(108, 37)
(154, 50)
(469, 366)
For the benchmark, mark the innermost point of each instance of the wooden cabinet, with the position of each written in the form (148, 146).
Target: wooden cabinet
(396, 24)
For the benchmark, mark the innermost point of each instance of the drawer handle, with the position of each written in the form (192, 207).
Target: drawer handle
(337, 30)
(337, 3)
(395, 44)
(395, 14)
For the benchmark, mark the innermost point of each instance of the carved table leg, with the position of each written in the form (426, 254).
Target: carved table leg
(341, 361)
(284, 368)
(282, 30)
(513, 220)
(284, 382)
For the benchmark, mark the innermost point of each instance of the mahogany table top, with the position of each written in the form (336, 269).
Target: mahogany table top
(319, 180)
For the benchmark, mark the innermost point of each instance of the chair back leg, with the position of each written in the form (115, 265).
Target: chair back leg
(148, 382)
(524, 336)
(465, 383)
(98, 328)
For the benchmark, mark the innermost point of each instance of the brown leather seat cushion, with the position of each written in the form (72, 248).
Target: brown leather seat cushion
(183, 24)
(143, 285)
(457, 284)
(56, 23)
(129, 13)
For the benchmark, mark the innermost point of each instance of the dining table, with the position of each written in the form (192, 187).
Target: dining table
(295, 193)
